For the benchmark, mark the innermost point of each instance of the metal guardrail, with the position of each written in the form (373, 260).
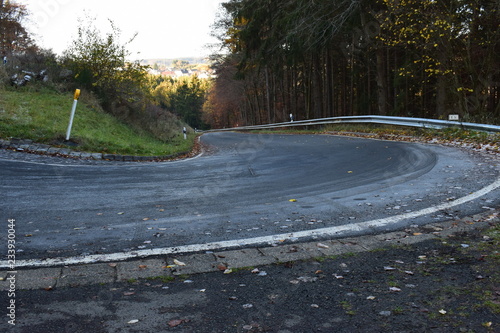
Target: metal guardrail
(399, 121)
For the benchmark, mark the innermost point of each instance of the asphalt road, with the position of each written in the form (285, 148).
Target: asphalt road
(244, 186)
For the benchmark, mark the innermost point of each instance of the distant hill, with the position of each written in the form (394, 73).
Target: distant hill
(168, 62)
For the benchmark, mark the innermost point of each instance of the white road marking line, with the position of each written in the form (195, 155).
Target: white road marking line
(329, 231)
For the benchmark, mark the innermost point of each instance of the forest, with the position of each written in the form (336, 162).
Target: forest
(324, 58)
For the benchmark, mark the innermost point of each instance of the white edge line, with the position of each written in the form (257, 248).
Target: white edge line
(329, 231)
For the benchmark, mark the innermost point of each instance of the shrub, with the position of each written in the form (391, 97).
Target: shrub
(4, 77)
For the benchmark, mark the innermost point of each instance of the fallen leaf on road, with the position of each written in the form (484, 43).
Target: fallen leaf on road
(180, 263)
(395, 289)
(133, 321)
(443, 312)
(228, 271)
(307, 279)
(176, 322)
(221, 267)
(293, 200)
(143, 266)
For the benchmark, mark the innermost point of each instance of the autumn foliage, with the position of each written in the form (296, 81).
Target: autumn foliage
(14, 38)
(419, 58)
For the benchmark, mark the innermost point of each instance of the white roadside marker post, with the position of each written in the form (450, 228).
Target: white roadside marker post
(73, 109)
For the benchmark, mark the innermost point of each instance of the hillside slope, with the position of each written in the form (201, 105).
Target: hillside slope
(42, 115)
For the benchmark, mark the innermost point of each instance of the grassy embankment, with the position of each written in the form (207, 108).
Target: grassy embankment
(391, 132)
(42, 115)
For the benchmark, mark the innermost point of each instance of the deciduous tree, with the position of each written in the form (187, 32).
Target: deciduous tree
(14, 38)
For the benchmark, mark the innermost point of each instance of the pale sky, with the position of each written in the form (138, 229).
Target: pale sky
(166, 28)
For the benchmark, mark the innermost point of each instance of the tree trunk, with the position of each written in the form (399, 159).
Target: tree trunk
(441, 97)
(381, 81)
(317, 87)
(268, 95)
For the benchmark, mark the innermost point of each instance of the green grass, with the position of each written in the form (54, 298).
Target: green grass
(162, 278)
(42, 115)
(398, 310)
(348, 308)
(239, 269)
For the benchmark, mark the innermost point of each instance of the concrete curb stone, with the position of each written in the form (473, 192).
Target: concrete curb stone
(205, 262)
(40, 278)
(52, 151)
(77, 275)
(242, 258)
(88, 274)
(140, 269)
(29, 146)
